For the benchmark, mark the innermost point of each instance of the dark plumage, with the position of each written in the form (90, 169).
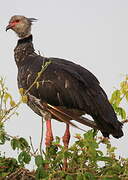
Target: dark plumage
(65, 89)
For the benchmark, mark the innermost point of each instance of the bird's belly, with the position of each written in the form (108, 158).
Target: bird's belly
(34, 107)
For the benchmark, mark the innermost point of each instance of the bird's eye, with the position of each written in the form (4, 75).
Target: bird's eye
(17, 21)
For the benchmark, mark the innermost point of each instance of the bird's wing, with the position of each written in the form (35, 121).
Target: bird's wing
(62, 83)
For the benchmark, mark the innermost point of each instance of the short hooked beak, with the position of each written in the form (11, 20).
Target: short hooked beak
(9, 26)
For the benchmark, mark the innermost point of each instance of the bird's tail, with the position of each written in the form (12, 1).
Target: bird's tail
(106, 122)
(106, 118)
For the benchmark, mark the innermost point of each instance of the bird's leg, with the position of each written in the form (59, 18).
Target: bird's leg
(66, 139)
(49, 134)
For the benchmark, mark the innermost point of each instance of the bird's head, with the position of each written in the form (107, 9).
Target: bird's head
(21, 25)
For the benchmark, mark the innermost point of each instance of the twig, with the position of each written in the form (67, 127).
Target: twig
(31, 144)
(41, 140)
(44, 67)
(11, 109)
(124, 121)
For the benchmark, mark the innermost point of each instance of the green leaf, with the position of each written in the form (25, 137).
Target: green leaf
(41, 173)
(14, 143)
(108, 159)
(124, 86)
(2, 138)
(121, 112)
(24, 157)
(23, 143)
(126, 96)
(57, 139)
(79, 177)
(21, 91)
(24, 98)
(12, 103)
(39, 161)
(52, 150)
(1, 125)
(4, 174)
(89, 176)
(69, 177)
(7, 96)
(111, 178)
(115, 98)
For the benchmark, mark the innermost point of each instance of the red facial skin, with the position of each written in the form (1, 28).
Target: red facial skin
(12, 24)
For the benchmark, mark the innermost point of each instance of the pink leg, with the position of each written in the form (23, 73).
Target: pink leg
(49, 134)
(66, 139)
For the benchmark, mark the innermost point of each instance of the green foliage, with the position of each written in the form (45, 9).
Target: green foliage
(84, 158)
(118, 96)
(24, 158)
(7, 166)
(39, 161)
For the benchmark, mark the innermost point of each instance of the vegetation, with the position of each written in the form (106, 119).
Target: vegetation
(85, 159)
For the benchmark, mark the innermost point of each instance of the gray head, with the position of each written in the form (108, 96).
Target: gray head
(21, 25)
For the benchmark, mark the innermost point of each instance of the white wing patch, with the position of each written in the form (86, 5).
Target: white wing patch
(58, 95)
(66, 84)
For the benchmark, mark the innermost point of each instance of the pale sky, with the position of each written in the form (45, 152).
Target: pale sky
(93, 33)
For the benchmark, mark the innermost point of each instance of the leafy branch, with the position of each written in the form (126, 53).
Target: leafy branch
(118, 96)
(84, 156)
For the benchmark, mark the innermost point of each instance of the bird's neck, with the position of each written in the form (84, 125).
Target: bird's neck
(23, 49)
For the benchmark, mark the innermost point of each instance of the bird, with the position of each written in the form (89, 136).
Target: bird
(60, 89)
